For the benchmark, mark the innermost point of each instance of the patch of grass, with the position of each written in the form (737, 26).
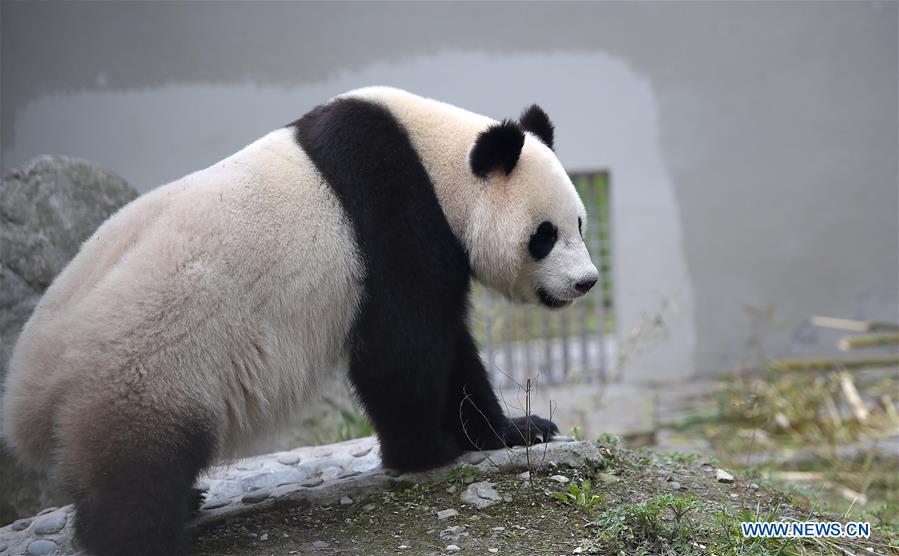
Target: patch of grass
(609, 438)
(679, 457)
(580, 495)
(353, 424)
(462, 475)
(821, 436)
(727, 537)
(661, 524)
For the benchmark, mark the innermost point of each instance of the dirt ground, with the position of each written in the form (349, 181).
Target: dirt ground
(640, 502)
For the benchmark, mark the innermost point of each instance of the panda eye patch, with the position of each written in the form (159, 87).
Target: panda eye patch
(543, 240)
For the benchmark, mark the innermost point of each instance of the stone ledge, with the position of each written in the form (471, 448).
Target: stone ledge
(318, 475)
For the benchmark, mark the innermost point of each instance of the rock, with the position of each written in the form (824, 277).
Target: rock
(452, 548)
(41, 547)
(346, 501)
(452, 489)
(48, 207)
(314, 482)
(559, 478)
(361, 452)
(51, 523)
(723, 476)
(288, 459)
(215, 503)
(368, 507)
(446, 514)
(753, 486)
(498, 529)
(318, 545)
(453, 532)
(263, 537)
(492, 550)
(481, 495)
(21, 524)
(256, 496)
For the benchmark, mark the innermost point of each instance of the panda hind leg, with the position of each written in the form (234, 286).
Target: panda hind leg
(133, 489)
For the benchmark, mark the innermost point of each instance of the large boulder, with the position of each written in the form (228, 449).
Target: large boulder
(47, 209)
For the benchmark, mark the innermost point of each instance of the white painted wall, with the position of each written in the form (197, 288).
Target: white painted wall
(752, 147)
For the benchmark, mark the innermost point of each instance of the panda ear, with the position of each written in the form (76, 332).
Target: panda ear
(497, 147)
(535, 120)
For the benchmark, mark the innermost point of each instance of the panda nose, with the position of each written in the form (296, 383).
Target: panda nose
(584, 285)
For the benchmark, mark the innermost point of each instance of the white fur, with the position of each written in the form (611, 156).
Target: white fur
(236, 285)
(496, 217)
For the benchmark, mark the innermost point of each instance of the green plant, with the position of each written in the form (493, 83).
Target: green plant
(653, 525)
(679, 457)
(608, 438)
(580, 495)
(577, 433)
(462, 475)
(353, 424)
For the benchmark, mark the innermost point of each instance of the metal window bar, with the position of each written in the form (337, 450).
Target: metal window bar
(521, 342)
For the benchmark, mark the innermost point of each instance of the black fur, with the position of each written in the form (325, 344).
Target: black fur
(413, 362)
(543, 240)
(497, 148)
(535, 120)
(135, 495)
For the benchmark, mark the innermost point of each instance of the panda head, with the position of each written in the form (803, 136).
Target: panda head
(526, 233)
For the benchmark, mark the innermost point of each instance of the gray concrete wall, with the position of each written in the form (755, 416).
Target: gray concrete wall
(752, 146)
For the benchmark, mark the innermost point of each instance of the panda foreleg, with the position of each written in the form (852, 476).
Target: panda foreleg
(479, 422)
(402, 384)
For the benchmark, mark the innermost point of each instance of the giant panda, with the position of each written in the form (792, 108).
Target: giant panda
(205, 312)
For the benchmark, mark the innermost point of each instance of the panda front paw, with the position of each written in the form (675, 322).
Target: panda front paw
(525, 431)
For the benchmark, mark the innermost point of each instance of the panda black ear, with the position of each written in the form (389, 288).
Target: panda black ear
(498, 147)
(535, 120)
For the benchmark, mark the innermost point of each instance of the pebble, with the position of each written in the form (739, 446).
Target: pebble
(369, 507)
(404, 546)
(452, 489)
(446, 514)
(674, 485)
(346, 501)
(21, 524)
(330, 473)
(255, 497)
(312, 482)
(453, 531)
(492, 550)
(499, 529)
(288, 459)
(320, 545)
(361, 452)
(481, 494)
(723, 476)
(41, 547)
(263, 537)
(216, 503)
(753, 486)
(452, 548)
(559, 479)
(52, 523)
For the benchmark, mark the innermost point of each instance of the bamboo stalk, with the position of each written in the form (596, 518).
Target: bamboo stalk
(870, 340)
(853, 325)
(823, 364)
